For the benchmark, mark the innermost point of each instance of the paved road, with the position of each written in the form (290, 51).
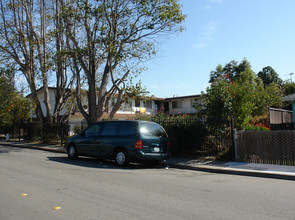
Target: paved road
(90, 189)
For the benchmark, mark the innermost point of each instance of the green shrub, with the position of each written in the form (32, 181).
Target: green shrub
(46, 133)
(77, 129)
(258, 127)
(186, 133)
(143, 116)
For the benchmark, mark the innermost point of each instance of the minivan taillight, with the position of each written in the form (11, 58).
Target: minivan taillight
(169, 146)
(138, 144)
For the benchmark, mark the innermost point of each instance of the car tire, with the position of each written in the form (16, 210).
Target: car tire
(121, 158)
(72, 152)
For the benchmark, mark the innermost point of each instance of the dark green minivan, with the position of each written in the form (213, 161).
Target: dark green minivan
(122, 140)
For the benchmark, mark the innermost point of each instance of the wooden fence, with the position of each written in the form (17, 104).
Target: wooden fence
(269, 147)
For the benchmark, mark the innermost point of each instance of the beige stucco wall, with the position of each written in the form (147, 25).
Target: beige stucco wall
(186, 106)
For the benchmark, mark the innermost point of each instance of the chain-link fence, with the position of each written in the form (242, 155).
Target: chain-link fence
(269, 147)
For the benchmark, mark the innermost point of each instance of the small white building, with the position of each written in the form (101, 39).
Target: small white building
(52, 95)
(182, 104)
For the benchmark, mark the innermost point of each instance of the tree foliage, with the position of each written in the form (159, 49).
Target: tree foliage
(231, 71)
(98, 45)
(288, 87)
(31, 40)
(108, 40)
(13, 105)
(268, 75)
(240, 94)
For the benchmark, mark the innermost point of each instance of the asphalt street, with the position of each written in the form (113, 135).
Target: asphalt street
(46, 185)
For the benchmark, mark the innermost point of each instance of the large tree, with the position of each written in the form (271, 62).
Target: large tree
(231, 70)
(30, 33)
(268, 75)
(240, 96)
(288, 87)
(108, 41)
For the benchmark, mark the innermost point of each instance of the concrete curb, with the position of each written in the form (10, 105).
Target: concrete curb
(233, 171)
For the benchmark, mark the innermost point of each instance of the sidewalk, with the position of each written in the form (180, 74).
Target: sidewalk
(45, 147)
(233, 168)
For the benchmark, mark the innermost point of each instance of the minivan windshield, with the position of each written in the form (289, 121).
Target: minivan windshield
(152, 129)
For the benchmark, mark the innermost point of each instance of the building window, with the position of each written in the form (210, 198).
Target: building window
(148, 104)
(176, 104)
(137, 103)
(128, 104)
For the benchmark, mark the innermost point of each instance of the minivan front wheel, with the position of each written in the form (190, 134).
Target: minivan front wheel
(121, 158)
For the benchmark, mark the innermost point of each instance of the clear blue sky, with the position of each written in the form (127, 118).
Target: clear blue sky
(218, 31)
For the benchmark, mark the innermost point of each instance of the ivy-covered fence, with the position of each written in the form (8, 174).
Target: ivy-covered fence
(36, 131)
(196, 137)
(189, 136)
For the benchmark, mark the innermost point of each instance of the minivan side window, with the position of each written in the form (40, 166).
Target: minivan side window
(93, 130)
(110, 128)
(127, 128)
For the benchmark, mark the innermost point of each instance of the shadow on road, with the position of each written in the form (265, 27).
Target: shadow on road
(103, 164)
(5, 149)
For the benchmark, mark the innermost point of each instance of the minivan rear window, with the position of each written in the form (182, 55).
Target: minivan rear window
(152, 129)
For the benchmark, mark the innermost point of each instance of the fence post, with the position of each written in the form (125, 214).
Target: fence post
(43, 132)
(61, 133)
(233, 139)
(19, 130)
(236, 145)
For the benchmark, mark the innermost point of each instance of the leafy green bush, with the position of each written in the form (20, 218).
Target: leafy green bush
(143, 116)
(187, 134)
(46, 133)
(77, 129)
(258, 127)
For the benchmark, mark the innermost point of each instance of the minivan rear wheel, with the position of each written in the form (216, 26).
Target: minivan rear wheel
(121, 158)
